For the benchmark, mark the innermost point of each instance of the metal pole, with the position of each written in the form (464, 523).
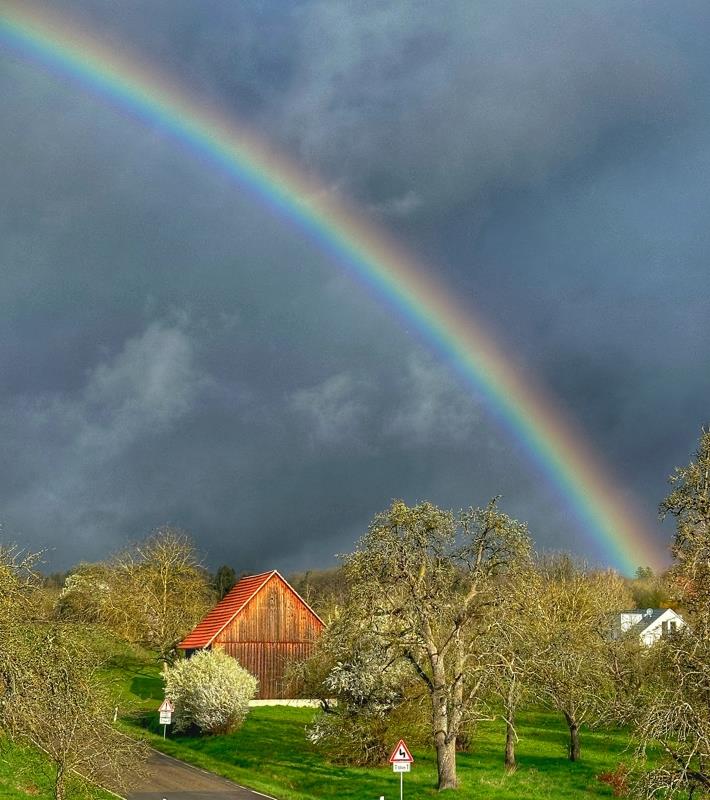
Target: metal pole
(401, 783)
(165, 727)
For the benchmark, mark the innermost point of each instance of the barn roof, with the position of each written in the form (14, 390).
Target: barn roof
(230, 606)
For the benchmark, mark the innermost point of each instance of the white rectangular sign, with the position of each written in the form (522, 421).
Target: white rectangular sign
(166, 718)
(401, 766)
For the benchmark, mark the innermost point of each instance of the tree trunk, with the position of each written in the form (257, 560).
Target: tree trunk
(446, 763)
(509, 745)
(445, 727)
(573, 726)
(445, 744)
(510, 736)
(59, 787)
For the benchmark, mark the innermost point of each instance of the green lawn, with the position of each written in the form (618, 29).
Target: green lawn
(271, 754)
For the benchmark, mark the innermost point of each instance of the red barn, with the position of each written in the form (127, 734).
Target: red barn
(265, 624)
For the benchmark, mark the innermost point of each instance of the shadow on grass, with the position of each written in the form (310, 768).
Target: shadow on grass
(147, 687)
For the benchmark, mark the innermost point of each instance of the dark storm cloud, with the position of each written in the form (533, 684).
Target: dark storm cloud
(170, 352)
(503, 93)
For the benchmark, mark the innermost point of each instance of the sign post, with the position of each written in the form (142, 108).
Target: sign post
(401, 760)
(166, 714)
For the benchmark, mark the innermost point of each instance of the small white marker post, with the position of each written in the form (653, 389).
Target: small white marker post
(166, 714)
(401, 760)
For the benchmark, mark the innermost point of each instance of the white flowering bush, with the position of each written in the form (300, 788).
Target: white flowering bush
(371, 695)
(210, 692)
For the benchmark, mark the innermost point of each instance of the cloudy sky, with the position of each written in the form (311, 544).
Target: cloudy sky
(171, 352)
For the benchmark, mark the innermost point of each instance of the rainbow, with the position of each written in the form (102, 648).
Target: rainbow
(605, 513)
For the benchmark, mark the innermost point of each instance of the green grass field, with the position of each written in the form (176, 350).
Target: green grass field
(271, 754)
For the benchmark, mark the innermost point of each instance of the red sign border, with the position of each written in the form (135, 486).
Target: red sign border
(393, 760)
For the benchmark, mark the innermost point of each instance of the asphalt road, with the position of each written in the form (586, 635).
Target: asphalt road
(169, 779)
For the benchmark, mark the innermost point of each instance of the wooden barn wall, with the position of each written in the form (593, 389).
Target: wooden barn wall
(269, 662)
(274, 629)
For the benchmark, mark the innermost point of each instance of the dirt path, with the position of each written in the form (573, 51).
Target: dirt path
(169, 779)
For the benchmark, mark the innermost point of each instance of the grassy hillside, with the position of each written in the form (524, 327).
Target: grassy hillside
(134, 676)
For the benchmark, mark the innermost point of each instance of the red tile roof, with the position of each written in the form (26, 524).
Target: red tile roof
(225, 611)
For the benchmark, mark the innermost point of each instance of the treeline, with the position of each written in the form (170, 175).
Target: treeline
(151, 593)
(326, 590)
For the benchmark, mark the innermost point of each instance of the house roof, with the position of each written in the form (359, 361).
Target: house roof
(647, 619)
(230, 606)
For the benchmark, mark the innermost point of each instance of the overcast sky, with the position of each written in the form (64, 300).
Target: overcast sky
(170, 352)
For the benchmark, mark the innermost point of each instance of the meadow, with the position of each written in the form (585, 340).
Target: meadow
(271, 754)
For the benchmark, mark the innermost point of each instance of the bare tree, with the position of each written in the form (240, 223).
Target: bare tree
(516, 651)
(164, 578)
(426, 585)
(55, 700)
(51, 696)
(19, 581)
(151, 594)
(571, 619)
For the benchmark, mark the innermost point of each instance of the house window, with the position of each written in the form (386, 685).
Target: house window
(664, 628)
(673, 626)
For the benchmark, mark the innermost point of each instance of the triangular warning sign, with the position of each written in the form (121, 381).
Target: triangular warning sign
(166, 705)
(401, 754)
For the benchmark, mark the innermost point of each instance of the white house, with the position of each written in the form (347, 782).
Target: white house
(649, 624)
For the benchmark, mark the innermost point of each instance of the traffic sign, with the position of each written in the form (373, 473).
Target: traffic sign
(166, 714)
(401, 754)
(401, 761)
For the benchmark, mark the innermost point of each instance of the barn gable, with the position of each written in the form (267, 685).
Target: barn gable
(265, 624)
